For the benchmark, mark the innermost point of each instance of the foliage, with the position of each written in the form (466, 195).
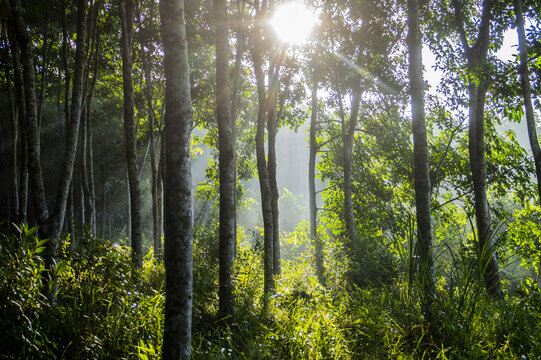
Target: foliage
(106, 311)
(102, 309)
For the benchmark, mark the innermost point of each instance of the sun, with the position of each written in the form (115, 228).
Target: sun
(293, 22)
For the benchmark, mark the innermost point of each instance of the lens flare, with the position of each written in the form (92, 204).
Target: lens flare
(293, 23)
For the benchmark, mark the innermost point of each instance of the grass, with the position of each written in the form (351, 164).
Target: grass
(105, 311)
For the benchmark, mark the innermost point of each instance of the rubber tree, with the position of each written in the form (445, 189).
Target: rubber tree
(50, 223)
(478, 82)
(420, 159)
(177, 184)
(227, 164)
(127, 8)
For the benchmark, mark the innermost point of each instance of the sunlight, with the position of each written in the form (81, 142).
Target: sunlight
(293, 23)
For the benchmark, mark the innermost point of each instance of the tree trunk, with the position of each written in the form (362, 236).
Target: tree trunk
(159, 187)
(50, 226)
(23, 171)
(20, 108)
(478, 83)
(420, 159)
(264, 185)
(272, 129)
(235, 87)
(13, 184)
(31, 121)
(178, 184)
(527, 95)
(348, 136)
(316, 242)
(87, 204)
(103, 202)
(156, 234)
(90, 173)
(127, 19)
(156, 229)
(227, 166)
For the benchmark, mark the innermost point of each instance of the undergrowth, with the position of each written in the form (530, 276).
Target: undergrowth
(106, 311)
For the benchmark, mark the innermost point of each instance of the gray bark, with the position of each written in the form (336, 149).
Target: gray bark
(178, 184)
(272, 129)
(31, 118)
(478, 83)
(348, 134)
(20, 109)
(527, 94)
(127, 8)
(420, 159)
(316, 241)
(156, 231)
(13, 185)
(59, 213)
(156, 227)
(227, 165)
(50, 226)
(264, 185)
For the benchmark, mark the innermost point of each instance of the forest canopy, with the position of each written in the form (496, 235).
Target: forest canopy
(264, 179)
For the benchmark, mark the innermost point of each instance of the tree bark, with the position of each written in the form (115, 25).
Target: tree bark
(156, 229)
(50, 226)
(31, 122)
(272, 129)
(90, 173)
(178, 184)
(20, 108)
(127, 19)
(478, 83)
(227, 165)
(13, 184)
(348, 134)
(420, 159)
(156, 233)
(527, 94)
(316, 241)
(264, 185)
(59, 213)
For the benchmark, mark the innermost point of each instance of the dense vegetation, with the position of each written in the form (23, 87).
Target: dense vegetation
(394, 218)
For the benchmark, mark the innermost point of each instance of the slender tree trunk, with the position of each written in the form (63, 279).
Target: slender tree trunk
(127, 18)
(13, 185)
(57, 217)
(20, 108)
(156, 234)
(527, 94)
(67, 81)
(478, 83)
(103, 202)
(316, 241)
(178, 184)
(420, 159)
(264, 185)
(89, 152)
(83, 149)
(272, 129)
(159, 189)
(23, 173)
(348, 136)
(44, 65)
(90, 173)
(156, 230)
(128, 206)
(235, 86)
(227, 166)
(32, 130)
(50, 226)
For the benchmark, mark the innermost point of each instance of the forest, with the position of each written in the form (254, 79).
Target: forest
(266, 179)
